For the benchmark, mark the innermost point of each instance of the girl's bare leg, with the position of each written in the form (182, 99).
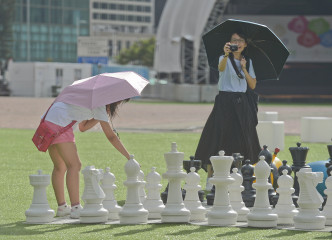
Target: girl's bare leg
(68, 153)
(58, 175)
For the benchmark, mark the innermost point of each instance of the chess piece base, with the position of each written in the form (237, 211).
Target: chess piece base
(175, 213)
(133, 214)
(222, 216)
(134, 219)
(89, 219)
(262, 217)
(39, 213)
(309, 219)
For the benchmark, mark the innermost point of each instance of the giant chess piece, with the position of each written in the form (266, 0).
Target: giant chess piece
(133, 211)
(197, 164)
(110, 203)
(39, 211)
(285, 208)
(310, 200)
(249, 193)
(261, 214)
(222, 213)
(153, 202)
(273, 177)
(191, 201)
(141, 190)
(327, 211)
(175, 210)
(238, 161)
(235, 196)
(289, 172)
(328, 166)
(93, 196)
(299, 155)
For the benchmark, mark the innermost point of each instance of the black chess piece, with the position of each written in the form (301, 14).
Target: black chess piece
(285, 166)
(164, 194)
(187, 164)
(274, 170)
(249, 193)
(299, 155)
(238, 161)
(210, 196)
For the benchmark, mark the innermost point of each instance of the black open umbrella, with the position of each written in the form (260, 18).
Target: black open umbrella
(265, 49)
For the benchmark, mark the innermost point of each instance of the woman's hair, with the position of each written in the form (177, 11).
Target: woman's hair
(231, 55)
(114, 107)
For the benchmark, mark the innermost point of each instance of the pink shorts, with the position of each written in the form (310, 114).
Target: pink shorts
(67, 136)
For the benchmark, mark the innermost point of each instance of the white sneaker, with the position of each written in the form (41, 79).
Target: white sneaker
(63, 210)
(208, 186)
(75, 211)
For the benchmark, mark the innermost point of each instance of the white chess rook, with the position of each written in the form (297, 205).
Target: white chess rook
(310, 200)
(222, 213)
(261, 214)
(153, 202)
(93, 196)
(285, 209)
(327, 211)
(110, 203)
(133, 211)
(191, 201)
(174, 211)
(39, 211)
(235, 196)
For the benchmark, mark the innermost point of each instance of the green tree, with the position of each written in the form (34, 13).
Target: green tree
(7, 10)
(140, 53)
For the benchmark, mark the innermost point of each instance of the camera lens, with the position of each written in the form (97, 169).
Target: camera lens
(233, 47)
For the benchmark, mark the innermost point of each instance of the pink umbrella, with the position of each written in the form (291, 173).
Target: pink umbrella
(103, 89)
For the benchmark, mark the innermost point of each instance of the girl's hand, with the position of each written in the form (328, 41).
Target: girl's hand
(226, 48)
(243, 63)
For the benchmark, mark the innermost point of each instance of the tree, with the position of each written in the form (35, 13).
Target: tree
(140, 53)
(7, 10)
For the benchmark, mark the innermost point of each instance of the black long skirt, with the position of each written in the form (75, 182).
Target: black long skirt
(231, 127)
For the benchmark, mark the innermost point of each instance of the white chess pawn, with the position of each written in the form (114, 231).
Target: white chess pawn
(93, 196)
(327, 211)
(153, 202)
(310, 200)
(133, 211)
(261, 214)
(39, 211)
(285, 208)
(191, 201)
(110, 203)
(174, 211)
(235, 189)
(222, 213)
(141, 190)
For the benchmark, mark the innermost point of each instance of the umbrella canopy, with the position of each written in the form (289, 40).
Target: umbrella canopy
(265, 49)
(103, 89)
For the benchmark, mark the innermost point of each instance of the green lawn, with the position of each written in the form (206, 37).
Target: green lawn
(19, 158)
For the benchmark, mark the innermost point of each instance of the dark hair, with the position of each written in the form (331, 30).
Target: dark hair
(114, 107)
(231, 55)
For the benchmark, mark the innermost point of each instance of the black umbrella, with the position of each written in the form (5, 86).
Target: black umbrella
(265, 49)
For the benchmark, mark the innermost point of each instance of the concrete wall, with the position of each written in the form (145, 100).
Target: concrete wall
(35, 79)
(181, 92)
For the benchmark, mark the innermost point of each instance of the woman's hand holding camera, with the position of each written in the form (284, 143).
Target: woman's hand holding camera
(227, 49)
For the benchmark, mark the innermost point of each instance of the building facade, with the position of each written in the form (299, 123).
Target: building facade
(47, 30)
(121, 22)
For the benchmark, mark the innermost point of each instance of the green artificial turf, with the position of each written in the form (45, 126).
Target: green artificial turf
(19, 158)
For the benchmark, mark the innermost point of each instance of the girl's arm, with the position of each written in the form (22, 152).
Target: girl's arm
(87, 124)
(251, 81)
(113, 138)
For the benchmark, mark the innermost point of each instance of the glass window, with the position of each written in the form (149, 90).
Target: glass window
(77, 74)
(56, 16)
(139, 18)
(110, 48)
(56, 2)
(139, 8)
(119, 45)
(130, 18)
(147, 19)
(104, 5)
(130, 7)
(128, 44)
(95, 15)
(147, 9)
(96, 5)
(58, 77)
(121, 17)
(121, 7)
(112, 16)
(112, 6)
(104, 16)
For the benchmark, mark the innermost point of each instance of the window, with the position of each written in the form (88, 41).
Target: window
(77, 74)
(95, 5)
(104, 5)
(58, 77)
(104, 16)
(95, 16)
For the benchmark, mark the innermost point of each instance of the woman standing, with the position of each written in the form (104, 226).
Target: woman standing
(63, 151)
(231, 125)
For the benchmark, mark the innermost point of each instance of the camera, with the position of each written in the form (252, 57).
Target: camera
(233, 47)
